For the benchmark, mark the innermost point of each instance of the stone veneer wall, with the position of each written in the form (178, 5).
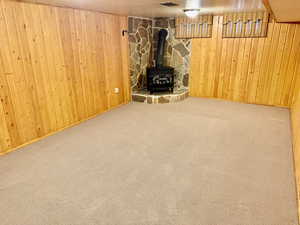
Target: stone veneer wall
(140, 44)
(177, 51)
(143, 37)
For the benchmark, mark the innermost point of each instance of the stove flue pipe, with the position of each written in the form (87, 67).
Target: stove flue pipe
(161, 47)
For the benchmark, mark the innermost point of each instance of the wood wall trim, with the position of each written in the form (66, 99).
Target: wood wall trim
(58, 66)
(268, 7)
(253, 24)
(251, 70)
(198, 27)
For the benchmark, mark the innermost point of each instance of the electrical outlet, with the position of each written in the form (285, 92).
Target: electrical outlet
(117, 90)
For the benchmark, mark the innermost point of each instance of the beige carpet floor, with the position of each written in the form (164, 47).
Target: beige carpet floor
(196, 162)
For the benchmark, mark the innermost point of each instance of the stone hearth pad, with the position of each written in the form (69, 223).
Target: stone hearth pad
(161, 97)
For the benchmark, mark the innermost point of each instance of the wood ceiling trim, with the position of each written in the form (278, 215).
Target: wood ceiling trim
(268, 7)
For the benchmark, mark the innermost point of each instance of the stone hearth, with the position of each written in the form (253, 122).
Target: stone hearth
(157, 98)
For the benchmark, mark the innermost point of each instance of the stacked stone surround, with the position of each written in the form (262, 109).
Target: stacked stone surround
(143, 36)
(177, 51)
(140, 44)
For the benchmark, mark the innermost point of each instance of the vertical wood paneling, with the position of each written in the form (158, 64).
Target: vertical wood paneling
(58, 67)
(295, 118)
(198, 27)
(251, 70)
(125, 62)
(241, 24)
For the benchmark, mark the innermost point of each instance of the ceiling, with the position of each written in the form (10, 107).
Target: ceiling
(287, 12)
(152, 8)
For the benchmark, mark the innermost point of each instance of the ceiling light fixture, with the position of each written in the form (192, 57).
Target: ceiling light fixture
(191, 12)
(169, 4)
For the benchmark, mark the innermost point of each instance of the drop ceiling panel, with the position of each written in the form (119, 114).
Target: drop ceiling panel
(152, 8)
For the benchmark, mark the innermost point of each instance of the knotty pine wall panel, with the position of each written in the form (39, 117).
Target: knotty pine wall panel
(251, 70)
(58, 67)
(295, 119)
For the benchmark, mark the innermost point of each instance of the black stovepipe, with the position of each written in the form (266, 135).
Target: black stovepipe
(161, 47)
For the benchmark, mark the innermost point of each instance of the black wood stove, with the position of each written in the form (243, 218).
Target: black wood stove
(160, 78)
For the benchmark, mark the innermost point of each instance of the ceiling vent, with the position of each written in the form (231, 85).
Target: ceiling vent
(169, 4)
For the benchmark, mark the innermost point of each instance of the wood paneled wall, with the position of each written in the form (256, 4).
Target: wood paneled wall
(58, 67)
(251, 24)
(198, 27)
(251, 70)
(295, 119)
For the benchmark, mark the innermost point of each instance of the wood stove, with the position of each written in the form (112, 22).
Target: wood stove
(160, 78)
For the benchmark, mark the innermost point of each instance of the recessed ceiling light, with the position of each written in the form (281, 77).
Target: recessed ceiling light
(191, 12)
